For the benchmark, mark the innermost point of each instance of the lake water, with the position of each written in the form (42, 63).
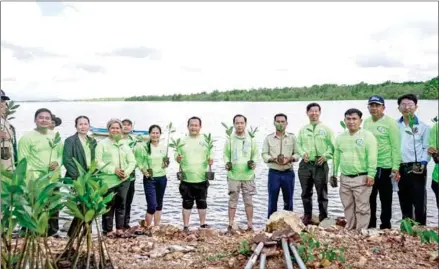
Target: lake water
(260, 114)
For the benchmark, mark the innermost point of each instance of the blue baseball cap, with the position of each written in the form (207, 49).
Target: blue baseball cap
(376, 99)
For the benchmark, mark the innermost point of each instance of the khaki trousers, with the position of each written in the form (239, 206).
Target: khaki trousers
(355, 195)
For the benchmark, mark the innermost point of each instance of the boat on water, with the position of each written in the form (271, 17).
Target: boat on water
(104, 132)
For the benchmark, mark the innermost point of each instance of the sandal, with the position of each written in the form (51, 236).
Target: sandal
(110, 235)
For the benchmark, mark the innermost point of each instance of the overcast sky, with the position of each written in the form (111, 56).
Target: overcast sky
(84, 50)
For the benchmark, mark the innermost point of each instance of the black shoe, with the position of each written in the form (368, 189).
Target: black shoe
(204, 226)
(186, 229)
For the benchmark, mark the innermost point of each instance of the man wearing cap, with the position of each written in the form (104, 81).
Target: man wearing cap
(386, 132)
(7, 137)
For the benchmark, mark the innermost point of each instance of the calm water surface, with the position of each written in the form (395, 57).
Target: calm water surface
(260, 114)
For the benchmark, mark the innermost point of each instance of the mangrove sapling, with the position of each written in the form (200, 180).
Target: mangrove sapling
(177, 145)
(209, 144)
(229, 131)
(417, 167)
(147, 159)
(28, 203)
(87, 201)
(11, 108)
(281, 157)
(53, 143)
(252, 134)
(170, 130)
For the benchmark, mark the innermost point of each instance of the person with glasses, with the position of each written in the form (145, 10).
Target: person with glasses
(413, 169)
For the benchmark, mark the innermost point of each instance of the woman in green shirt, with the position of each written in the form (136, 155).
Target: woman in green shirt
(150, 157)
(80, 147)
(116, 161)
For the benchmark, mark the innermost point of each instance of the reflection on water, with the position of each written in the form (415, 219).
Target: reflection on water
(143, 114)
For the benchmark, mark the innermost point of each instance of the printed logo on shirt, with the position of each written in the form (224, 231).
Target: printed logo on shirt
(202, 143)
(359, 142)
(322, 132)
(381, 129)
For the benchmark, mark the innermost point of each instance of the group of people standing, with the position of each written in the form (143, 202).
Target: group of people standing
(368, 159)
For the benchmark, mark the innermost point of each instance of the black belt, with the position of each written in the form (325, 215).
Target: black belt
(407, 164)
(279, 171)
(356, 175)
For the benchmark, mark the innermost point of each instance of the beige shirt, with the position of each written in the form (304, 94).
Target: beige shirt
(271, 149)
(7, 146)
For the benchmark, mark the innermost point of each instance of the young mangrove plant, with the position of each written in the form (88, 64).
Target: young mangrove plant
(87, 201)
(177, 145)
(209, 144)
(11, 108)
(147, 159)
(28, 203)
(170, 130)
(229, 131)
(53, 143)
(312, 250)
(252, 133)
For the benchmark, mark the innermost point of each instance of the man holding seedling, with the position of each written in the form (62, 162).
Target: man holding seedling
(193, 160)
(413, 169)
(240, 151)
(386, 132)
(7, 136)
(279, 151)
(356, 156)
(433, 147)
(43, 151)
(315, 144)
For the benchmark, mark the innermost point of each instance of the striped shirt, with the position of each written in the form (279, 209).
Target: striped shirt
(355, 153)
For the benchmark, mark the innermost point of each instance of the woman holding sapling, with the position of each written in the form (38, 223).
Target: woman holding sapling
(151, 158)
(116, 161)
(79, 147)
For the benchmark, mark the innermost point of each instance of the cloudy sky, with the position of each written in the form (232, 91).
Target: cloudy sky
(86, 50)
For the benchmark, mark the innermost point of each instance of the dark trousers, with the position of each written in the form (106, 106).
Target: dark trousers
(383, 186)
(53, 224)
(129, 201)
(154, 193)
(117, 207)
(278, 180)
(412, 193)
(311, 174)
(434, 187)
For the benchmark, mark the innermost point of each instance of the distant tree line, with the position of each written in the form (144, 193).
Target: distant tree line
(389, 90)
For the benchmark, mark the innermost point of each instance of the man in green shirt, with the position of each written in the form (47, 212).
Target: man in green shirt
(386, 131)
(433, 147)
(315, 144)
(194, 162)
(239, 149)
(356, 156)
(41, 158)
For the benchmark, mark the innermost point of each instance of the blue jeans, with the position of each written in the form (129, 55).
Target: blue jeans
(154, 192)
(280, 180)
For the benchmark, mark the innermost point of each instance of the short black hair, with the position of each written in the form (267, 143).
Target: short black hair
(308, 107)
(193, 118)
(409, 96)
(41, 110)
(239, 115)
(128, 121)
(353, 111)
(81, 117)
(280, 115)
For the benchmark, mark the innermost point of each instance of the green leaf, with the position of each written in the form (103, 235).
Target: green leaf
(89, 215)
(74, 210)
(42, 223)
(343, 124)
(408, 132)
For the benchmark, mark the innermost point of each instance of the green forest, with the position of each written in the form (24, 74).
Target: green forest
(389, 90)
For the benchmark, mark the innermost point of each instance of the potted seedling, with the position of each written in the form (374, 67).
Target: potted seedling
(435, 156)
(170, 131)
(281, 156)
(209, 144)
(53, 143)
(252, 134)
(177, 145)
(148, 167)
(11, 108)
(317, 157)
(417, 167)
(229, 131)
